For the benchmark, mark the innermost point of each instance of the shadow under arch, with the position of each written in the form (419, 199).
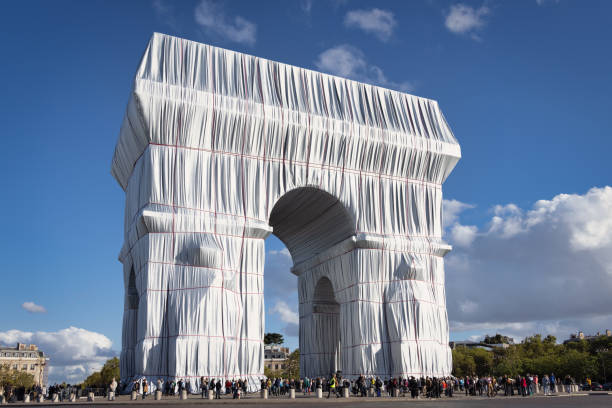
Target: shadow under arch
(309, 220)
(326, 354)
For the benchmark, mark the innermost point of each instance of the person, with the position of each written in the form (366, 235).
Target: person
(332, 385)
(553, 381)
(181, 386)
(546, 385)
(235, 389)
(113, 385)
(306, 386)
(218, 390)
(568, 384)
(160, 385)
(145, 388)
(203, 386)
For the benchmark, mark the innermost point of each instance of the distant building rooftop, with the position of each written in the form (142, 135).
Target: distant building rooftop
(581, 336)
(21, 350)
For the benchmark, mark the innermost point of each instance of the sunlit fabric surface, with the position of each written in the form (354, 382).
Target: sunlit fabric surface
(219, 149)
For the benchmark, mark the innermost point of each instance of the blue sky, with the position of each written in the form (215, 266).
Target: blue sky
(525, 86)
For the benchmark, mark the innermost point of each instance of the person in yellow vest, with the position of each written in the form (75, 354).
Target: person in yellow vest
(332, 385)
(145, 388)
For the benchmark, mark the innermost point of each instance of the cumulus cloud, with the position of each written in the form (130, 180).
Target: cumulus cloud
(284, 312)
(547, 268)
(33, 307)
(375, 21)
(286, 315)
(349, 62)
(451, 210)
(464, 19)
(212, 18)
(73, 353)
(463, 235)
(281, 290)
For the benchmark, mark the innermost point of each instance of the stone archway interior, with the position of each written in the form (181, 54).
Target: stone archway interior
(325, 317)
(309, 221)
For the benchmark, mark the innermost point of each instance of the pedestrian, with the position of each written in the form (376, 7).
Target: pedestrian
(546, 385)
(553, 382)
(332, 385)
(218, 390)
(145, 388)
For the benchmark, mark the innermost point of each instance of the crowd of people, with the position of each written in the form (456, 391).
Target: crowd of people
(334, 386)
(425, 387)
(364, 386)
(520, 385)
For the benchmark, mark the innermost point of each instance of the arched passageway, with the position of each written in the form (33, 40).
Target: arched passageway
(325, 354)
(309, 221)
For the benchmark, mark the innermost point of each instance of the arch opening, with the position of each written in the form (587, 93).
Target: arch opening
(325, 315)
(308, 221)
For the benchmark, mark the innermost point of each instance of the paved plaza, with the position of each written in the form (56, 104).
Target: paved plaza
(582, 400)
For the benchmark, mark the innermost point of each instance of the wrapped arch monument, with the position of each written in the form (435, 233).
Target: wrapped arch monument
(218, 150)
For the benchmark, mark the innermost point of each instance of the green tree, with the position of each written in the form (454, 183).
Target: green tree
(292, 365)
(497, 339)
(463, 363)
(15, 378)
(273, 338)
(578, 364)
(102, 378)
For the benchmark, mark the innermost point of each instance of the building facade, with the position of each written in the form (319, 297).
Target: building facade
(581, 336)
(26, 358)
(275, 357)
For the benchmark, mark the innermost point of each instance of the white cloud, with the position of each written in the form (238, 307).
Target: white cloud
(376, 21)
(284, 312)
(451, 210)
(463, 19)
(463, 235)
(283, 252)
(349, 62)
(286, 315)
(73, 353)
(33, 307)
(560, 328)
(543, 269)
(165, 13)
(279, 282)
(211, 17)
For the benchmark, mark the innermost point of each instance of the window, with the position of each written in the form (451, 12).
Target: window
(14, 366)
(32, 366)
(32, 355)
(276, 366)
(24, 367)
